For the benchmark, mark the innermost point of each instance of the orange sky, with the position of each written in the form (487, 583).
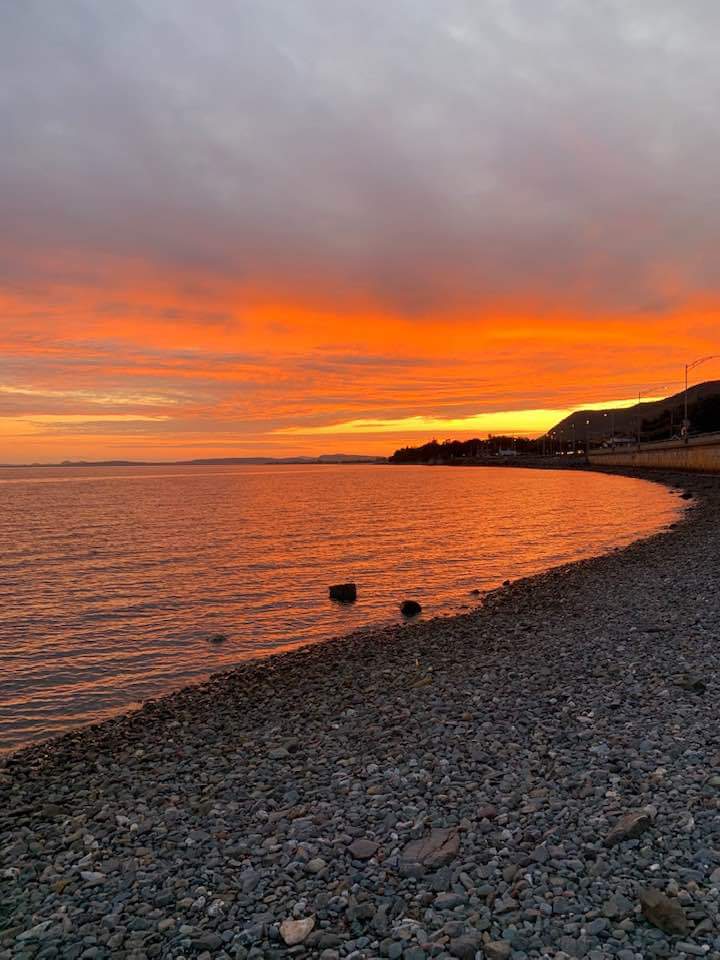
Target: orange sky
(256, 230)
(140, 372)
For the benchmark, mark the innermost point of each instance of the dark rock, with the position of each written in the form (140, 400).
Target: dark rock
(497, 950)
(437, 849)
(465, 948)
(344, 592)
(414, 953)
(448, 901)
(694, 684)
(361, 911)
(662, 912)
(410, 608)
(629, 827)
(362, 849)
(218, 638)
(209, 941)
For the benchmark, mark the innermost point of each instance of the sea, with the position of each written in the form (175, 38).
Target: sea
(113, 581)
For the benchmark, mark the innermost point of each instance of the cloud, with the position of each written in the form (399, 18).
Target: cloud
(278, 216)
(423, 151)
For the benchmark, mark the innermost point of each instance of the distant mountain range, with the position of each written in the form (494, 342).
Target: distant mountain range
(625, 421)
(212, 461)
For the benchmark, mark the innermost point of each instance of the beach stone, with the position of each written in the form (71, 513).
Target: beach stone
(448, 901)
(693, 684)
(465, 947)
(664, 913)
(208, 941)
(617, 906)
(629, 827)
(363, 849)
(343, 592)
(414, 953)
(497, 950)
(693, 949)
(295, 931)
(361, 911)
(437, 849)
(551, 715)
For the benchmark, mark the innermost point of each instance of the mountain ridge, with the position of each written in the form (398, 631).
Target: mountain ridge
(325, 458)
(625, 420)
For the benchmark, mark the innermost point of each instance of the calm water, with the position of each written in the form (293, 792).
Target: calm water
(112, 580)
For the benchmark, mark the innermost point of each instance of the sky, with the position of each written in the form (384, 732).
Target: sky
(278, 227)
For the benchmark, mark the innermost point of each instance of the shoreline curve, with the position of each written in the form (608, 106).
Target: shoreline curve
(293, 786)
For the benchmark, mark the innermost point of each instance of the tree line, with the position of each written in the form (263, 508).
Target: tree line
(704, 416)
(442, 452)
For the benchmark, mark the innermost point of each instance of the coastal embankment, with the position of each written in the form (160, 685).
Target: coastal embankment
(700, 453)
(537, 778)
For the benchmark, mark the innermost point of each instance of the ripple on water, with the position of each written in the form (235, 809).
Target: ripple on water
(111, 581)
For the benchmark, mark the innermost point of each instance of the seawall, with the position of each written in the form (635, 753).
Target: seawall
(698, 454)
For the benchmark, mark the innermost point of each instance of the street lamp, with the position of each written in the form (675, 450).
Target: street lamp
(587, 440)
(688, 367)
(612, 427)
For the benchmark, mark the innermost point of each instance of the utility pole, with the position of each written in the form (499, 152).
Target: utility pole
(688, 367)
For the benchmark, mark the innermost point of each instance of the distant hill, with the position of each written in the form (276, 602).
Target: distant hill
(657, 416)
(211, 461)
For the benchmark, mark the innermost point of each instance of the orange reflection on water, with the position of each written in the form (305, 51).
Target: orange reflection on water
(112, 580)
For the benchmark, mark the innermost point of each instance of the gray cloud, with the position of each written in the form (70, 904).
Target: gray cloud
(430, 152)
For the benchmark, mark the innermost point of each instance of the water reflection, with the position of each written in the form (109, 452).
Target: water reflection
(112, 580)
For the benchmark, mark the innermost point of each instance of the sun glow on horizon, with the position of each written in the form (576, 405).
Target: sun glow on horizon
(514, 422)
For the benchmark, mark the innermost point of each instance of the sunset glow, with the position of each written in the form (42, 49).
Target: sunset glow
(279, 229)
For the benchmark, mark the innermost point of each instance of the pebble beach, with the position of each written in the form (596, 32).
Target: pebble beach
(538, 777)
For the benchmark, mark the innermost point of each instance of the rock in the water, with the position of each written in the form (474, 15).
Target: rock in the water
(662, 912)
(295, 931)
(410, 608)
(437, 849)
(629, 827)
(344, 592)
(497, 950)
(362, 849)
(218, 638)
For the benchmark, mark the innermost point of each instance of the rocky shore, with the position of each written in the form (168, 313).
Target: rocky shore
(538, 778)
